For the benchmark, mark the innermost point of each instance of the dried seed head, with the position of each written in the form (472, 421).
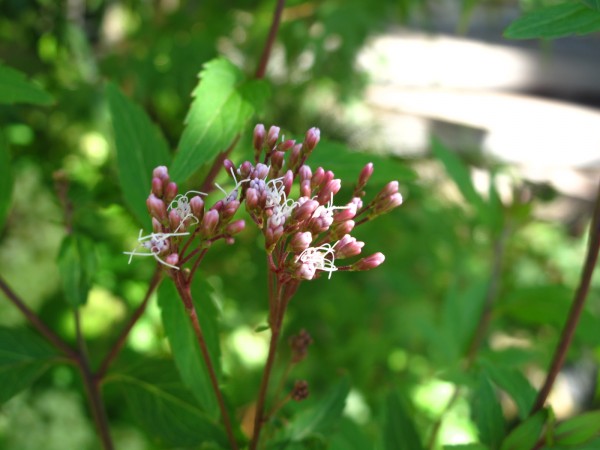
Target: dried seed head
(300, 391)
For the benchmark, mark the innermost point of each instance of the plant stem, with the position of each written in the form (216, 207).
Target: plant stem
(120, 342)
(184, 291)
(264, 59)
(92, 389)
(577, 306)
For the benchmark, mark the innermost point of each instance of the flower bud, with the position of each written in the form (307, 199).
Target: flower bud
(157, 187)
(229, 210)
(305, 173)
(245, 169)
(172, 259)
(300, 241)
(370, 262)
(197, 206)
(330, 189)
(340, 229)
(235, 227)
(318, 177)
(272, 235)
(286, 145)
(386, 204)
(272, 136)
(305, 190)
(306, 271)
(345, 214)
(174, 220)
(251, 198)
(294, 160)
(364, 176)
(305, 211)
(162, 173)
(288, 179)
(258, 137)
(348, 246)
(210, 222)
(229, 166)
(170, 192)
(261, 171)
(276, 162)
(156, 226)
(156, 207)
(389, 189)
(312, 138)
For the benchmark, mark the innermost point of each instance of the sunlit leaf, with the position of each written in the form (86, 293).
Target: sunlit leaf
(487, 413)
(15, 88)
(399, 431)
(140, 148)
(184, 344)
(578, 430)
(223, 103)
(6, 182)
(77, 265)
(555, 21)
(164, 408)
(24, 357)
(525, 436)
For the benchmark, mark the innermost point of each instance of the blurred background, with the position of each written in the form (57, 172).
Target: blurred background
(391, 79)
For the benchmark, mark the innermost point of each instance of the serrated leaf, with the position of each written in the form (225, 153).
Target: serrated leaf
(140, 148)
(164, 408)
(323, 416)
(525, 436)
(347, 164)
(223, 103)
(15, 88)
(77, 265)
(515, 384)
(6, 182)
(487, 414)
(24, 357)
(459, 173)
(184, 344)
(578, 430)
(555, 21)
(399, 431)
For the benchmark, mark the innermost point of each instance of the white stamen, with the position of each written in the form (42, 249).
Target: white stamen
(156, 243)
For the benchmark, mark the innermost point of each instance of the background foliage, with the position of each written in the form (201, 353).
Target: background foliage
(392, 345)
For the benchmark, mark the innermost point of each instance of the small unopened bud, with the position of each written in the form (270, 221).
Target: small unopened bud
(294, 160)
(340, 229)
(306, 271)
(368, 263)
(286, 145)
(210, 222)
(305, 173)
(330, 189)
(251, 198)
(245, 169)
(364, 176)
(156, 226)
(276, 162)
(174, 220)
(318, 177)
(258, 138)
(300, 391)
(389, 189)
(301, 241)
(261, 171)
(272, 136)
(228, 166)
(172, 259)
(156, 207)
(197, 206)
(170, 192)
(347, 247)
(312, 138)
(235, 227)
(305, 211)
(386, 204)
(288, 179)
(272, 236)
(162, 173)
(229, 209)
(305, 190)
(345, 214)
(157, 187)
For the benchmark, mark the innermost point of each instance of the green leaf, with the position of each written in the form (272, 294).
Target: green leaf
(6, 182)
(164, 408)
(594, 4)
(77, 265)
(323, 416)
(459, 173)
(349, 436)
(399, 431)
(223, 103)
(555, 21)
(24, 357)
(515, 384)
(527, 434)
(15, 88)
(487, 413)
(140, 148)
(184, 344)
(578, 430)
(347, 163)
(466, 447)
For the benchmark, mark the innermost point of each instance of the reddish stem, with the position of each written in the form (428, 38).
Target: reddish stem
(264, 59)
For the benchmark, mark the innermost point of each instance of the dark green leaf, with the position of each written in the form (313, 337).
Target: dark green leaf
(6, 182)
(184, 344)
(487, 414)
(223, 103)
(595, 4)
(261, 328)
(399, 431)
(459, 173)
(555, 21)
(527, 434)
(515, 384)
(466, 447)
(15, 88)
(578, 430)
(23, 358)
(324, 415)
(347, 164)
(349, 436)
(140, 148)
(77, 265)
(164, 408)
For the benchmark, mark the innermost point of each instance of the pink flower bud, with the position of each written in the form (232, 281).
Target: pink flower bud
(364, 176)
(197, 206)
(318, 177)
(230, 209)
(345, 214)
(300, 241)
(340, 229)
(288, 179)
(156, 207)
(272, 235)
(305, 173)
(258, 137)
(228, 166)
(174, 220)
(370, 262)
(389, 189)
(156, 226)
(235, 227)
(312, 138)
(295, 156)
(245, 169)
(172, 259)
(272, 136)
(331, 188)
(162, 173)
(348, 246)
(157, 187)
(170, 192)
(210, 222)
(306, 271)
(286, 145)
(358, 202)
(251, 198)
(305, 190)
(261, 171)
(276, 161)
(305, 211)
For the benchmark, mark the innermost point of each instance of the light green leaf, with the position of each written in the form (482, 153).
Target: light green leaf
(578, 430)
(525, 436)
(164, 408)
(24, 357)
(487, 414)
(184, 344)
(515, 384)
(77, 265)
(223, 103)
(6, 182)
(15, 88)
(399, 431)
(555, 21)
(140, 148)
